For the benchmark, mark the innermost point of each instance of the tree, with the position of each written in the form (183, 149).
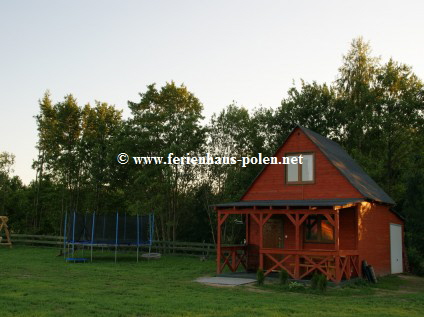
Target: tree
(313, 106)
(99, 127)
(166, 121)
(6, 163)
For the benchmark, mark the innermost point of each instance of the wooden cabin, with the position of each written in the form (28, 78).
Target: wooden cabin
(325, 215)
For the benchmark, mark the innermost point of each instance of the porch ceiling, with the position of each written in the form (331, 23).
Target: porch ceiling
(297, 203)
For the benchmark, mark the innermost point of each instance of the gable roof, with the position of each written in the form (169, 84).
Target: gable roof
(348, 167)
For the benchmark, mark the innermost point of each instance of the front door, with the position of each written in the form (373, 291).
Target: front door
(273, 237)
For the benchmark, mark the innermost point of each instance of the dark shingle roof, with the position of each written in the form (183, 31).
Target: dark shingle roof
(349, 168)
(293, 203)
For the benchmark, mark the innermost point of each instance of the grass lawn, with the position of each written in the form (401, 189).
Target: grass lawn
(35, 282)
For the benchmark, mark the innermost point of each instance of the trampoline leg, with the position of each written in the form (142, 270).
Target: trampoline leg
(116, 234)
(92, 236)
(137, 253)
(64, 236)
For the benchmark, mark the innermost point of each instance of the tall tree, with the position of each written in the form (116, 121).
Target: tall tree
(99, 127)
(6, 163)
(167, 121)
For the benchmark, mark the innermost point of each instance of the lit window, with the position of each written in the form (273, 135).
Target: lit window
(300, 173)
(318, 229)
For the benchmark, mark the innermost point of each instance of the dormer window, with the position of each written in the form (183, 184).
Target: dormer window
(302, 172)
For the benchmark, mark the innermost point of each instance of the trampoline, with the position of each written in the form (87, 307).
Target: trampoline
(118, 230)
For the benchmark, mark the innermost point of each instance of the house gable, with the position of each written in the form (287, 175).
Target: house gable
(329, 181)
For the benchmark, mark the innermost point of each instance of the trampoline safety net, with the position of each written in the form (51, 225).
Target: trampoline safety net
(109, 229)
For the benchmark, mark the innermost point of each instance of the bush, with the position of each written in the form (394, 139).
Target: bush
(314, 280)
(416, 261)
(284, 276)
(319, 282)
(322, 283)
(296, 286)
(260, 277)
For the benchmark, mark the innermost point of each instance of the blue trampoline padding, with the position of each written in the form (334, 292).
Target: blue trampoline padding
(77, 259)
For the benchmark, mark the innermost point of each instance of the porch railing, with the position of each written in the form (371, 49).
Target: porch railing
(233, 257)
(335, 265)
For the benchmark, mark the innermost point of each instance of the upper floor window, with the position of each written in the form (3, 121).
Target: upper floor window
(301, 173)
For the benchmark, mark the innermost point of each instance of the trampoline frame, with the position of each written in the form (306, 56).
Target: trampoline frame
(70, 244)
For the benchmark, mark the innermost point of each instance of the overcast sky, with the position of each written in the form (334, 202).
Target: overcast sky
(246, 51)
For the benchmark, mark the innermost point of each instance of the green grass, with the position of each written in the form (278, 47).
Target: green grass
(34, 282)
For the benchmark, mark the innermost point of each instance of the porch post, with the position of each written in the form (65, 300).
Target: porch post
(261, 242)
(357, 217)
(297, 232)
(247, 229)
(337, 245)
(218, 245)
(337, 230)
(356, 226)
(297, 259)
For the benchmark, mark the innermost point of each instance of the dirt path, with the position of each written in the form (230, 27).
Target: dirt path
(413, 284)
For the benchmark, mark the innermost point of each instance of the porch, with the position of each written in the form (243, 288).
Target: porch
(321, 237)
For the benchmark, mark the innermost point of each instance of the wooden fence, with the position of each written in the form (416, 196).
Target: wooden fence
(190, 248)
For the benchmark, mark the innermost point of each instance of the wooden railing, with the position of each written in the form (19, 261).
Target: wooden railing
(335, 265)
(233, 256)
(190, 248)
(40, 240)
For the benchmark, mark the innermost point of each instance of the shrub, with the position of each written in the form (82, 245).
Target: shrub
(284, 276)
(314, 281)
(319, 282)
(260, 277)
(296, 286)
(322, 283)
(416, 261)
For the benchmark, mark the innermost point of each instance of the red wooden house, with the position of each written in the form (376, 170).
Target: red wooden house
(324, 215)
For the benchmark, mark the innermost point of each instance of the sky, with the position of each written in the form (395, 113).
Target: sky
(250, 52)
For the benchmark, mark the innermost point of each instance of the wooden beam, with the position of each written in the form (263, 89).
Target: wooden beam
(279, 264)
(337, 230)
(291, 218)
(337, 245)
(357, 226)
(247, 229)
(267, 218)
(218, 244)
(256, 219)
(330, 219)
(261, 242)
(338, 270)
(302, 220)
(221, 221)
(300, 252)
(296, 266)
(297, 232)
(277, 211)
